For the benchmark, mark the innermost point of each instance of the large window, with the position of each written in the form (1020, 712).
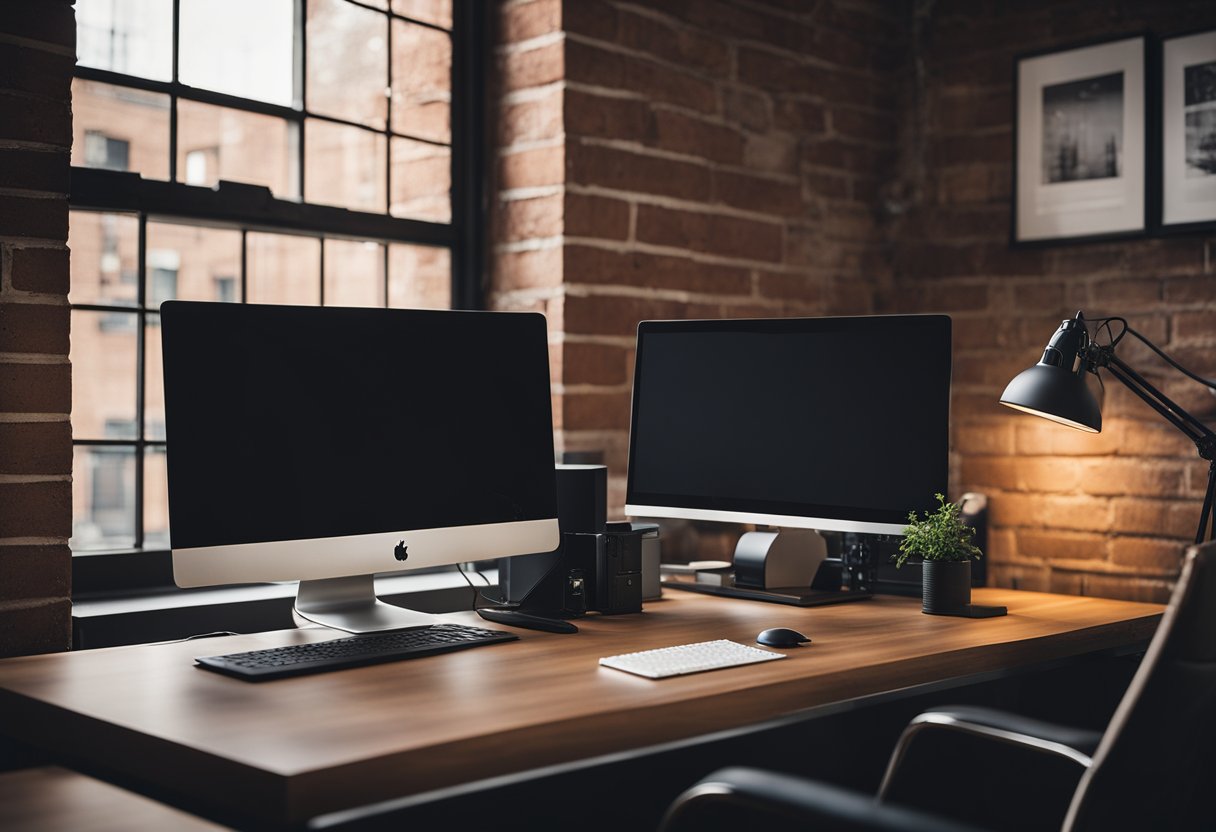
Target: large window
(277, 151)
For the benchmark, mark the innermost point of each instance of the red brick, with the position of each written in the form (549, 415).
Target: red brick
(977, 109)
(35, 388)
(36, 509)
(984, 437)
(609, 167)
(532, 269)
(681, 46)
(682, 133)
(1147, 554)
(30, 70)
(522, 219)
(802, 117)
(34, 217)
(1166, 518)
(34, 170)
(35, 448)
(659, 82)
(862, 124)
(532, 168)
(38, 625)
(35, 572)
(524, 21)
(755, 193)
(1194, 326)
(1190, 289)
(745, 109)
(710, 233)
(591, 18)
(602, 364)
(596, 216)
(607, 117)
(1127, 589)
(34, 328)
(616, 314)
(805, 288)
(591, 65)
(1127, 295)
(1087, 514)
(1119, 477)
(1150, 439)
(585, 265)
(42, 270)
(46, 121)
(49, 21)
(533, 67)
(531, 121)
(1060, 545)
(595, 411)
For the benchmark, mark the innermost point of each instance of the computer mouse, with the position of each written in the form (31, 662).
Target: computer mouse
(782, 637)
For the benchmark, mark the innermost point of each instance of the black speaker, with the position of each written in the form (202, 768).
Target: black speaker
(540, 582)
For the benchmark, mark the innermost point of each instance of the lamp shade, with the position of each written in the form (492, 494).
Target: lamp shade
(1055, 393)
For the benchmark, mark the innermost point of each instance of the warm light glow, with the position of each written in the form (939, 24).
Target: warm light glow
(1060, 419)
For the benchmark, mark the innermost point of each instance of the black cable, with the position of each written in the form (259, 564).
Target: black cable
(1172, 362)
(477, 592)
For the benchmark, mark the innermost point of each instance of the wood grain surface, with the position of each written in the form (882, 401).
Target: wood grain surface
(290, 749)
(51, 799)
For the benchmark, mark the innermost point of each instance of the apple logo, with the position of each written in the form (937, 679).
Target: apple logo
(399, 551)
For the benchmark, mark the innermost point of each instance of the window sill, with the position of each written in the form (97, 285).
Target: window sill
(176, 614)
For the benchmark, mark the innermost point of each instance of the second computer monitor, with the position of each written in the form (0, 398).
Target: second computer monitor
(836, 424)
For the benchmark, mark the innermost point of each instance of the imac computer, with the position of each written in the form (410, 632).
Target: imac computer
(326, 445)
(798, 424)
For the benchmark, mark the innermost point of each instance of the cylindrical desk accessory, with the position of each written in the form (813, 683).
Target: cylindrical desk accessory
(582, 498)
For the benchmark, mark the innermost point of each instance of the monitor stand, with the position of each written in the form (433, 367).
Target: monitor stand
(351, 604)
(781, 566)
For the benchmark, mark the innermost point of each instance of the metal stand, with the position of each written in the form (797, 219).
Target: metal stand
(351, 604)
(781, 558)
(1196, 431)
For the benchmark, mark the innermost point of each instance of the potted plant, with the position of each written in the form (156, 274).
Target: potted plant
(943, 542)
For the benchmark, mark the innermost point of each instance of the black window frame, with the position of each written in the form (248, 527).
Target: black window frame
(246, 208)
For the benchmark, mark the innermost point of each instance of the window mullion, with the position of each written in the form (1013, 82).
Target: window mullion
(140, 369)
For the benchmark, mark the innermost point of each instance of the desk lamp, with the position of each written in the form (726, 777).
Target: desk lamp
(1055, 389)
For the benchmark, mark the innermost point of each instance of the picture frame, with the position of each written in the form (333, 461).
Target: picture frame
(1187, 133)
(1081, 143)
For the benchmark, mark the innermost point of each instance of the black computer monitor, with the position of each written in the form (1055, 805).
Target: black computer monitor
(837, 424)
(327, 444)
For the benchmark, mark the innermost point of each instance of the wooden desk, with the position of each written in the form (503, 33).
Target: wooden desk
(287, 750)
(53, 799)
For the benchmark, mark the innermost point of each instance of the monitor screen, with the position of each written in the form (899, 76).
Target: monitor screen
(293, 423)
(840, 420)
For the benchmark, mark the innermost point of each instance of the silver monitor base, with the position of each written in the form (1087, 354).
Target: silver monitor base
(351, 604)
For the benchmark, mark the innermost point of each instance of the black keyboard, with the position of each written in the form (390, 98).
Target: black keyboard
(323, 656)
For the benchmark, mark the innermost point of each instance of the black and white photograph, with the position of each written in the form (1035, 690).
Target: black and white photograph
(1188, 133)
(1199, 90)
(1083, 129)
(1080, 143)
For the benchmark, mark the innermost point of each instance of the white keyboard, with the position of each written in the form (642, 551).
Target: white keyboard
(688, 658)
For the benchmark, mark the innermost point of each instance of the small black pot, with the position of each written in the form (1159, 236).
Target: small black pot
(945, 586)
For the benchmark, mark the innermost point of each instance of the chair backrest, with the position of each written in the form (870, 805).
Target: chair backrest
(1156, 765)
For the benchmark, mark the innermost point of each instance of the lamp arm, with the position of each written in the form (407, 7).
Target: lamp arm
(1194, 429)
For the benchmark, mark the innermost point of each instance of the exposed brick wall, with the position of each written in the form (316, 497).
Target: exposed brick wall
(37, 51)
(1097, 515)
(685, 159)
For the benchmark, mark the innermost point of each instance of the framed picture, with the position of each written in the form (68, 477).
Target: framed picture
(1080, 139)
(1188, 132)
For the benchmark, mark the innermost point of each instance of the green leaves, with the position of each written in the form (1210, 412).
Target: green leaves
(942, 535)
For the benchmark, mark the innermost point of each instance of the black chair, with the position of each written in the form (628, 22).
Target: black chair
(1153, 768)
